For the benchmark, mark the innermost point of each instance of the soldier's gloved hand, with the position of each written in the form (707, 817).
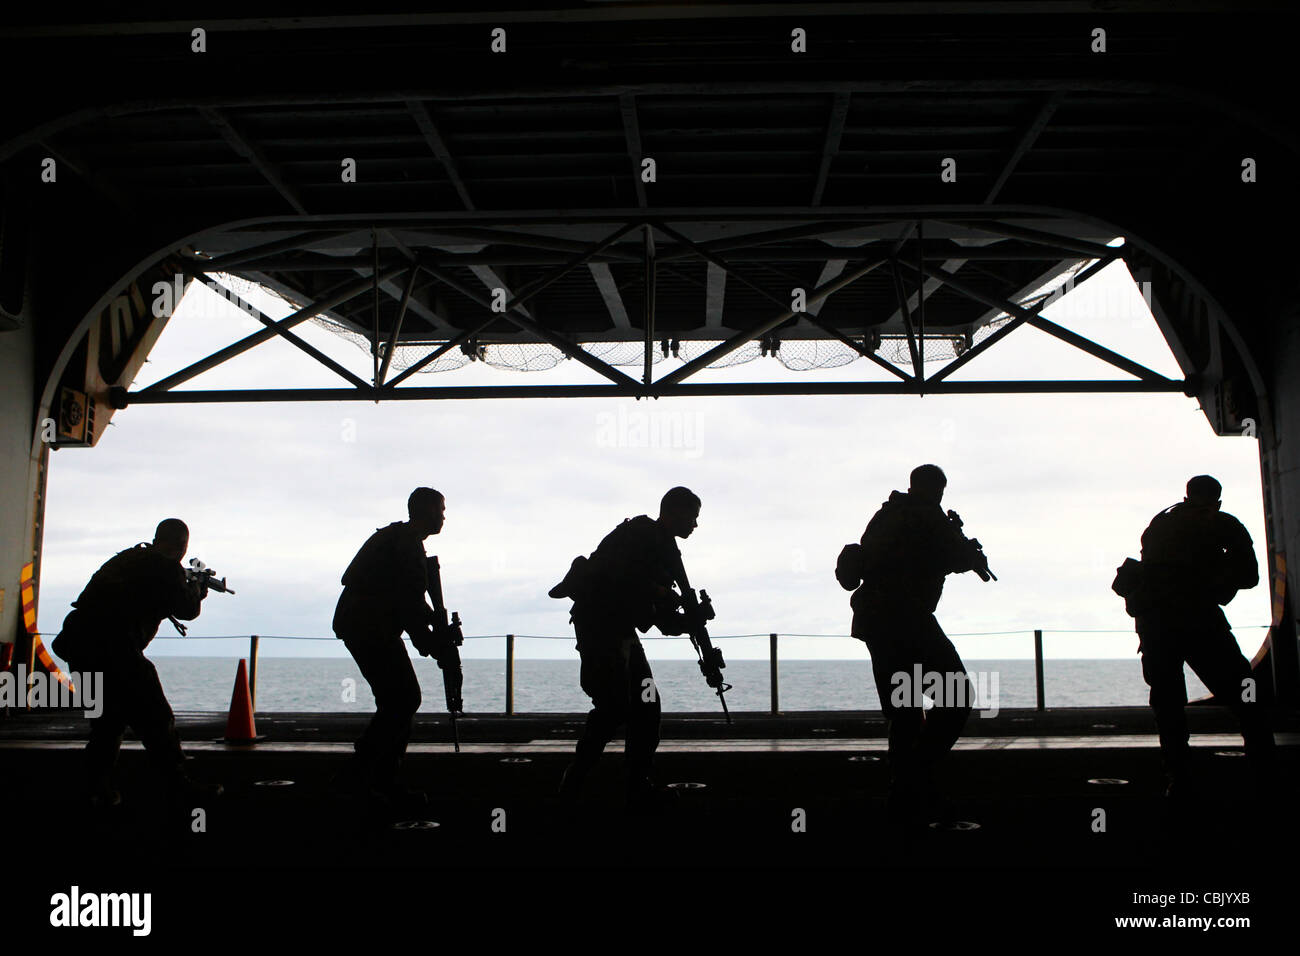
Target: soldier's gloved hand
(666, 597)
(423, 642)
(443, 651)
(672, 624)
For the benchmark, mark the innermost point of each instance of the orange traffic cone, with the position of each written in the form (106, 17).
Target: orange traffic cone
(240, 728)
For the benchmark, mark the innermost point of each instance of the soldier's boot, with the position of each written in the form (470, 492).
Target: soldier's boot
(935, 806)
(353, 778)
(1180, 780)
(576, 772)
(571, 781)
(373, 791)
(101, 793)
(644, 796)
(905, 806)
(101, 762)
(184, 790)
(1261, 753)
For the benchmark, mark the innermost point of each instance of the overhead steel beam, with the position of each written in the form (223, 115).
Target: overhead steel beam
(1038, 322)
(610, 294)
(649, 316)
(714, 295)
(346, 293)
(861, 349)
(762, 238)
(69, 158)
(632, 136)
(826, 220)
(527, 292)
(718, 266)
(1026, 142)
(830, 269)
(436, 143)
(248, 307)
(490, 279)
(254, 255)
(920, 295)
(570, 349)
(1090, 249)
(704, 253)
(374, 337)
(250, 151)
(439, 323)
(748, 86)
(901, 295)
(429, 314)
(740, 338)
(325, 263)
(1015, 323)
(603, 14)
(397, 327)
(831, 144)
(527, 240)
(120, 398)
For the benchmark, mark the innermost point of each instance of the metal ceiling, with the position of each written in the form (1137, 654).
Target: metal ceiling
(774, 170)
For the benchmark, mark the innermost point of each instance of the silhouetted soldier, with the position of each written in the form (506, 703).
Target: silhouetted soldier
(113, 621)
(383, 595)
(624, 586)
(1194, 559)
(908, 548)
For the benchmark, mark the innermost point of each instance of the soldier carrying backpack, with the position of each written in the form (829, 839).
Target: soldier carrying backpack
(907, 550)
(626, 586)
(1195, 558)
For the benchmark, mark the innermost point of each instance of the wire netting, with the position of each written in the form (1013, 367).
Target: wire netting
(797, 355)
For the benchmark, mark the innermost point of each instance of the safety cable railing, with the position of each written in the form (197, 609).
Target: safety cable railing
(773, 659)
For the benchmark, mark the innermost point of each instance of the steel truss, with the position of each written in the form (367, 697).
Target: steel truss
(656, 254)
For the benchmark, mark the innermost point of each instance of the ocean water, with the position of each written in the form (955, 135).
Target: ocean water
(551, 686)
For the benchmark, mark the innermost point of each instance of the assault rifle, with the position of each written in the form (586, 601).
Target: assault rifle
(200, 572)
(698, 611)
(980, 564)
(448, 633)
(205, 576)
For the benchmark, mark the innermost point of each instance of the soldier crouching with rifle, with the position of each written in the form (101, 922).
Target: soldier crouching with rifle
(905, 553)
(383, 595)
(112, 623)
(624, 586)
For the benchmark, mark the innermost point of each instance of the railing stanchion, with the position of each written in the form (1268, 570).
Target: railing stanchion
(252, 671)
(510, 675)
(1038, 668)
(773, 680)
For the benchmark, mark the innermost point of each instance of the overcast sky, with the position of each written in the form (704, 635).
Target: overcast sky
(278, 497)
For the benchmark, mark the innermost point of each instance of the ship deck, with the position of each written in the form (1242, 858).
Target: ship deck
(1032, 781)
